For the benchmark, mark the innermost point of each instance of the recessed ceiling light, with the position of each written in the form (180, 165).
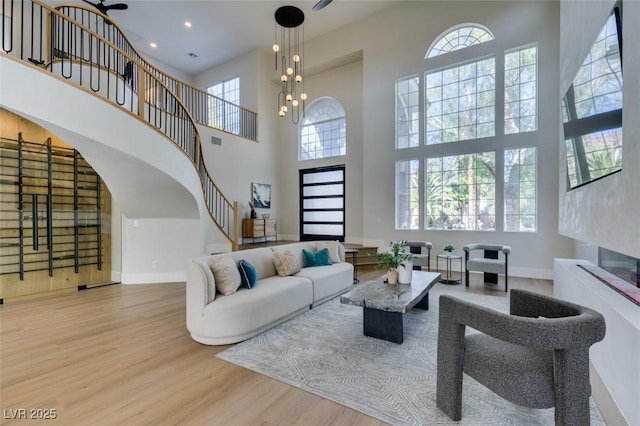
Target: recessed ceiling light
(187, 24)
(153, 45)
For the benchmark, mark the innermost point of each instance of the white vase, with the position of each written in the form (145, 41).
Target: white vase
(405, 273)
(392, 276)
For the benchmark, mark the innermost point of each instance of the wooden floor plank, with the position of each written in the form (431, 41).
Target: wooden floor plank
(121, 354)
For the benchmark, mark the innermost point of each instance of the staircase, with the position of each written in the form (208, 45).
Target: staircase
(76, 45)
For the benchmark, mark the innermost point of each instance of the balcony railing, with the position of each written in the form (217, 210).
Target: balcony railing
(205, 108)
(44, 37)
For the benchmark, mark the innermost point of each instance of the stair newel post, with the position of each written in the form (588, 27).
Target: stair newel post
(236, 220)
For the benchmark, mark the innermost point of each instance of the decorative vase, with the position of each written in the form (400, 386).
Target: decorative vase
(392, 276)
(254, 215)
(405, 273)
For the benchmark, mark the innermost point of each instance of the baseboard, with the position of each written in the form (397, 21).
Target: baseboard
(116, 276)
(154, 278)
(541, 274)
(607, 406)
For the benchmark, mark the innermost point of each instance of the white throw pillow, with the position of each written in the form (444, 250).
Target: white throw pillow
(226, 274)
(286, 263)
(332, 246)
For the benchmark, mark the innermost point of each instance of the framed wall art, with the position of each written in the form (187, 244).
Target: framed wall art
(261, 195)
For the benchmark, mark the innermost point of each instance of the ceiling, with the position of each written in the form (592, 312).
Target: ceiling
(221, 29)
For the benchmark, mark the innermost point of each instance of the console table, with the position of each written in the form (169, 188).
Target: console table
(259, 228)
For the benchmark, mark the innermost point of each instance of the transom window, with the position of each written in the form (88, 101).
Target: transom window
(408, 112)
(323, 130)
(459, 38)
(520, 90)
(460, 102)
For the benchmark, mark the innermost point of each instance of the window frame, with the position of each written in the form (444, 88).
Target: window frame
(341, 120)
(504, 191)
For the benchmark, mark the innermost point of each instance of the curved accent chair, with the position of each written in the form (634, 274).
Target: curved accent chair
(491, 264)
(420, 259)
(536, 356)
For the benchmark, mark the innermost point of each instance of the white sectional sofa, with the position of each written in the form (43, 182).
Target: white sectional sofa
(216, 319)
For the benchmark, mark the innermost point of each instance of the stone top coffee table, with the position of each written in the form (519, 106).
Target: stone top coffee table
(383, 305)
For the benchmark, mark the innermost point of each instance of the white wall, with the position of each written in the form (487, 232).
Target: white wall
(157, 250)
(604, 212)
(394, 43)
(343, 83)
(239, 162)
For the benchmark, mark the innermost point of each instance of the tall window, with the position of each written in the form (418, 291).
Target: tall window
(520, 190)
(408, 113)
(323, 130)
(459, 38)
(460, 192)
(223, 115)
(453, 184)
(407, 194)
(460, 102)
(520, 90)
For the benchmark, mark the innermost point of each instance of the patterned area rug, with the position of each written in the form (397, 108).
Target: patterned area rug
(324, 352)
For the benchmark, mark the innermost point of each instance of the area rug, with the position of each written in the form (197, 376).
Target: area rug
(324, 352)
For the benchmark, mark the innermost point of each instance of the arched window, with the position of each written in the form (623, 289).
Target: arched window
(458, 38)
(323, 130)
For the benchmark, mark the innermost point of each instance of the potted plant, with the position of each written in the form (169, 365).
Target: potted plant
(449, 248)
(395, 260)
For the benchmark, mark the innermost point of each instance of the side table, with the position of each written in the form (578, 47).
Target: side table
(448, 258)
(354, 261)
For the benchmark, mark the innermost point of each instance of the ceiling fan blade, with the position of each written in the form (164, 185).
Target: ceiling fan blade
(117, 6)
(321, 4)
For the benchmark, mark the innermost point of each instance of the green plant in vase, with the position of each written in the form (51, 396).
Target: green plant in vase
(391, 260)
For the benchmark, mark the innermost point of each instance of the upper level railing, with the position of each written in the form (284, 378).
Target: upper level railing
(41, 36)
(205, 108)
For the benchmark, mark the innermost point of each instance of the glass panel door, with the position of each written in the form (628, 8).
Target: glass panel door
(322, 203)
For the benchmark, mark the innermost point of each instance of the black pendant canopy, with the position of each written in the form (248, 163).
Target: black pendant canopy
(289, 16)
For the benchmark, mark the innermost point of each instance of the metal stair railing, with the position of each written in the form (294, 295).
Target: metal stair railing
(41, 36)
(206, 109)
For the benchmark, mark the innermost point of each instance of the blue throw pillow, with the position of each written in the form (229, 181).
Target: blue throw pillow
(248, 274)
(319, 258)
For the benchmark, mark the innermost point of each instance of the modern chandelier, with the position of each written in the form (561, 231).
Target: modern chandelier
(288, 50)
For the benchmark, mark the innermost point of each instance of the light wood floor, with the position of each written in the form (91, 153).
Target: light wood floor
(121, 355)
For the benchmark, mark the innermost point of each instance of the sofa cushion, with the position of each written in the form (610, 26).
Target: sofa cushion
(248, 274)
(286, 263)
(328, 281)
(246, 310)
(319, 258)
(226, 275)
(333, 247)
(260, 258)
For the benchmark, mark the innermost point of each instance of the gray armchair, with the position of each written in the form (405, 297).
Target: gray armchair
(536, 356)
(420, 259)
(491, 264)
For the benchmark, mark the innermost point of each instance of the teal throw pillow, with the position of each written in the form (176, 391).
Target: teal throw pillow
(248, 274)
(319, 258)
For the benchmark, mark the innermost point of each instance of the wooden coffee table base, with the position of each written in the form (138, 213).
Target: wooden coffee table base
(386, 325)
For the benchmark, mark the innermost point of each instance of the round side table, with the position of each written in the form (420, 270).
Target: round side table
(448, 258)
